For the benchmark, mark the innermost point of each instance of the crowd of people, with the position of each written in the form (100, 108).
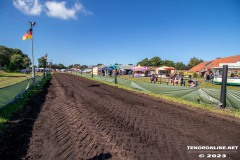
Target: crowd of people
(175, 79)
(207, 76)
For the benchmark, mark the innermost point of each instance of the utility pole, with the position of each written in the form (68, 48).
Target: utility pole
(33, 68)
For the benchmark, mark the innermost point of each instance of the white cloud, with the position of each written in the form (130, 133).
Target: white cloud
(59, 10)
(52, 8)
(82, 9)
(28, 7)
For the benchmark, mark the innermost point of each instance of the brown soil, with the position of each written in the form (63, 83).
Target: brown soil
(81, 119)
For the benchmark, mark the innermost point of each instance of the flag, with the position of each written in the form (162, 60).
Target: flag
(27, 35)
(45, 57)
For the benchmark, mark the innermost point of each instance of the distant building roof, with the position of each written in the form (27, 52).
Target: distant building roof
(165, 68)
(214, 63)
(128, 67)
(151, 68)
(102, 66)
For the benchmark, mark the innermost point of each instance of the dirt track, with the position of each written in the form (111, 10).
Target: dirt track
(83, 119)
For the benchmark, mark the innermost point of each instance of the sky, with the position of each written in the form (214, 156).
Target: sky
(89, 32)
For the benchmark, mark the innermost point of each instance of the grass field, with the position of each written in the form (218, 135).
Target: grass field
(6, 112)
(201, 84)
(7, 78)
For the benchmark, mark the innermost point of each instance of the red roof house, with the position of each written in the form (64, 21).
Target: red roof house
(214, 63)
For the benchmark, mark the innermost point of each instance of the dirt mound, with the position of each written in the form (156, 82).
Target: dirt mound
(86, 120)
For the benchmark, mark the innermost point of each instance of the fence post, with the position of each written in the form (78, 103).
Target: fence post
(224, 87)
(115, 79)
(92, 72)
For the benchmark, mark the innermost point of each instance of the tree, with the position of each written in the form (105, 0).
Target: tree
(16, 62)
(144, 62)
(61, 66)
(155, 61)
(130, 64)
(41, 62)
(70, 66)
(194, 61)
(84, 67)
(17, 51)
(180, 66)
(4, 56)
(168, 63)
(13, 59)
(54, 66)
(26, 62)
(99, 64)
(73, 66)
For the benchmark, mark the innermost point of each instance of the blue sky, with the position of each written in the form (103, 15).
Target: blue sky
(122, 31)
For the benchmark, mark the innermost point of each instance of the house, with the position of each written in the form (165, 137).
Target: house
(207, 65)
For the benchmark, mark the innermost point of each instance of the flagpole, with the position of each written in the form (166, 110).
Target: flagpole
(33, 68)
(46, 69)
(46, 65)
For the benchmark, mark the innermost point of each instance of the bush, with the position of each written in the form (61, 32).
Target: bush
(195, 75)
(181, 73)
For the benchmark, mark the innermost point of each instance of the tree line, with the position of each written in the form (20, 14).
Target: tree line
(42, 63)
(15, 60)
(12, 59)
(157, 61)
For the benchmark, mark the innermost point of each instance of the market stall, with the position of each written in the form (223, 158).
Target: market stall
(139, 71)
(165, 71)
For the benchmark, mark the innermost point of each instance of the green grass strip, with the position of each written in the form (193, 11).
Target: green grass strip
(7, 111)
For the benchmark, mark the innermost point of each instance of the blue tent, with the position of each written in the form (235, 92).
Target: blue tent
(105, 68)
(114, 67)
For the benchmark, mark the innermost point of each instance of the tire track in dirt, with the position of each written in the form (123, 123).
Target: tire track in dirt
(83, 119)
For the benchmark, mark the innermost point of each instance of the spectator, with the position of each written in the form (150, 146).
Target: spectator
(129, 73)
(117, 72)
(171, 80)
(153, 78)
(206, 77)
(192, 83)
(178, 79)
(211, 75)
(103, 72)
(110, 73)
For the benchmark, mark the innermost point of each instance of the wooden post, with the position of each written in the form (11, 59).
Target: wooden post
(224, 87)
